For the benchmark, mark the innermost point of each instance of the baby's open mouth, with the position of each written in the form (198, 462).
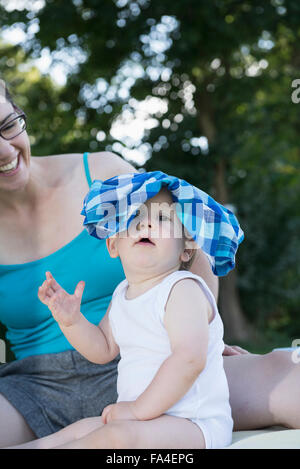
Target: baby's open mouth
(145, 241)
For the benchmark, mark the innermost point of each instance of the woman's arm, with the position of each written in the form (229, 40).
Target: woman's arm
(201, 267)
(186, 321)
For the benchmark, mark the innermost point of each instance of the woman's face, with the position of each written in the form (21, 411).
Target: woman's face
(15, 151)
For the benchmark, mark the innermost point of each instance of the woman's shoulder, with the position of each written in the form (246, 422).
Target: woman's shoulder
(102, 165)
(105, 165)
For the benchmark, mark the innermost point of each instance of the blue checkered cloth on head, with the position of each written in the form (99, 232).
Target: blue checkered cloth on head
(111, 205)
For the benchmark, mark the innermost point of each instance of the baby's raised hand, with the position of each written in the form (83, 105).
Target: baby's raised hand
(65, 308)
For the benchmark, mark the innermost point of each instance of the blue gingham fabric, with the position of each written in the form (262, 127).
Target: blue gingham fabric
(111, 205)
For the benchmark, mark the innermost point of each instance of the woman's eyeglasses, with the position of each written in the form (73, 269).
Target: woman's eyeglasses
(13, 128)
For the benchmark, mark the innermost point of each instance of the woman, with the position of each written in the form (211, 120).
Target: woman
(50, 385)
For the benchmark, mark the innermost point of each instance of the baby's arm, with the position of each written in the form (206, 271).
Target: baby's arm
(95, 343)
(186, 321)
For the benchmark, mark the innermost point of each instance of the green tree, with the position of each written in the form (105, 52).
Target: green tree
(222, 70)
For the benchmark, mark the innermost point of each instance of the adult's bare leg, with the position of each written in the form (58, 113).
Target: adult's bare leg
(13, 427)
(163, 432)
(264, 390)
(74, 431)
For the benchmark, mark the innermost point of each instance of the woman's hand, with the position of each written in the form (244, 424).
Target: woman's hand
(65, 308)
(230, 350)
(118, 411)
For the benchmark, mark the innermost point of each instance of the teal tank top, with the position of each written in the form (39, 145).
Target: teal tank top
(31, 329)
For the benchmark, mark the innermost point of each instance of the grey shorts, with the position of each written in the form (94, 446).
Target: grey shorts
(53, 390)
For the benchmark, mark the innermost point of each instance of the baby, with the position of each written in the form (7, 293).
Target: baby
(164, 322)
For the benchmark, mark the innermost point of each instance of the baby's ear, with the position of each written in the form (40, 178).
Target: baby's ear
(186, 255)
(111, 244)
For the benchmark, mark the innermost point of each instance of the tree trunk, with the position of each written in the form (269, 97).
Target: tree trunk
(236, 326)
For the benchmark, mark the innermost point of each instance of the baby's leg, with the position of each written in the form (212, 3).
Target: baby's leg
(163, 432)
(72, 432)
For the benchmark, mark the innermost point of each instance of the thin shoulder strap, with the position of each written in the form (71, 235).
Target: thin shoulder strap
(86, 168)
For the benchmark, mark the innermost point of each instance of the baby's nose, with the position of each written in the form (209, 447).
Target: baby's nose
(145, 223)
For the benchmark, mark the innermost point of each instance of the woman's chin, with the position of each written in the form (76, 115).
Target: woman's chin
(17, 179)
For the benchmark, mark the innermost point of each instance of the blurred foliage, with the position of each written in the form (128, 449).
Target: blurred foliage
(224, 71)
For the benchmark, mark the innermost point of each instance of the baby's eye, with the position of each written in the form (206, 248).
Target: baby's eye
(163, 217)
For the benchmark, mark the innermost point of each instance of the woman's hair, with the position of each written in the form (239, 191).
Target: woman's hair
(6, 96)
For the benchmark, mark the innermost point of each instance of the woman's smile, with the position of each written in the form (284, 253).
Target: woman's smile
(11, 168)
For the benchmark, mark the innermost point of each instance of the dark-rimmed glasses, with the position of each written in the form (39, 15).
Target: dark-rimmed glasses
(13, 128)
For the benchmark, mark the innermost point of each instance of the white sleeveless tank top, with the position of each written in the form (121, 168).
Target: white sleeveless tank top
(138, 329)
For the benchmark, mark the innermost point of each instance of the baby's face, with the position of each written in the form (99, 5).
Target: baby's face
(154, 240)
